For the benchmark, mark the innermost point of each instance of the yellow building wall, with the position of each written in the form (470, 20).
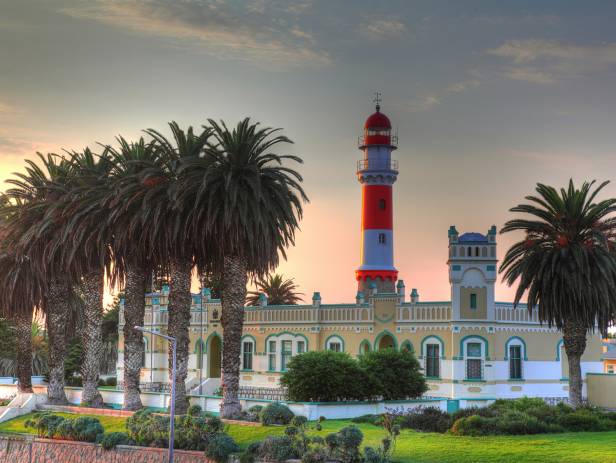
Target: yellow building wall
(466, 312)
(601, 389)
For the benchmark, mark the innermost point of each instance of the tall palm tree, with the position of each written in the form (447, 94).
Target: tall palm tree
(278, 291)
(165, 220)
(133, 263)
(85, 248)
(247, 207)
(34, 225)
(566, 265)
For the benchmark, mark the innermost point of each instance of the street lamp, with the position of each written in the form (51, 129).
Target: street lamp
(172, 406)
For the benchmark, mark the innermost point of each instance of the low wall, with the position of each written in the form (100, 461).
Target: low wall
(601, 389)
(34, 450)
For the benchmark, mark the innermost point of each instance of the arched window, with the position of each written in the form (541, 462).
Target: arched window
(199, 351)
(382, 238)
(432, 350)
(334, 343)
(469, 252)
(407, 346)
(461, 251)
(477, 251)
(271, 355)
(474, 352)
(364, 347)
(248, 350)
(515, 353)
(382, 204)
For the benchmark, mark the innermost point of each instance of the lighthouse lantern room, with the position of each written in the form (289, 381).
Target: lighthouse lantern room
(377, 172)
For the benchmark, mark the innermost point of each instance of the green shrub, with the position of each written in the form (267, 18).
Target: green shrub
(474, 425)
(344, 445)
(45, 424)
(397, 374)
(516, 422)
(429, 419)
(317, 454)
(256, 409)
(194, 410)
(220, 446)
(276, 413)
(86, 429)
(370, 419)
(583, 420)
(112, 439)
(346, 380)
(278, 448)
(485, 412)
(147, 429)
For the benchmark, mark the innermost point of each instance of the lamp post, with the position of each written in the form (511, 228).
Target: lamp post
(172, 406)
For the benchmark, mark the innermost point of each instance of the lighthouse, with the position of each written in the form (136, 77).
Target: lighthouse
(377, 172)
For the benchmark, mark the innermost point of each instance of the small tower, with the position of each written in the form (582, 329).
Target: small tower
(377, 173)
(472, 274)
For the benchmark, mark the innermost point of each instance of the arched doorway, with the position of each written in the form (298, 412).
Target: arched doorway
(386, 342)
(214, 354)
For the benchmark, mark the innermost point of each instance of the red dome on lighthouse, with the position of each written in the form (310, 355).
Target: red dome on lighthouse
(378, 120)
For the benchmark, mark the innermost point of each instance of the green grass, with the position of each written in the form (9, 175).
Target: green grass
(413, 447)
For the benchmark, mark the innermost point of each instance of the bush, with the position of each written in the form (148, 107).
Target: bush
(83, 428)
(194, 410)
(277, 448)
(45, 424)
(428, 419)
(111, 439)
(346, 380)
(474, 425)
(584, 420)
(220, 446)
(376, 420)
(86, 429)
(276, 413)
(344, 445)
(397, 374)
(147, 429)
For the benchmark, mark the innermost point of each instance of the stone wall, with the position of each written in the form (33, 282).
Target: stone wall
(34, 450)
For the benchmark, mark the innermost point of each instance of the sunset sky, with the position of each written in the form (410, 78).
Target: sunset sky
(488, 98)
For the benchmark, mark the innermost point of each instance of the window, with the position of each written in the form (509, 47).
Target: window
(469, 252)
(199, 352)
(611, 369)
(461, 251)
(272, 356)
(382, 204)
(301, 347)
(474, 361)
(477, 251)
(473, 301)
(382, 238)
(286, 354)
(484, 252)
(433, 361)
(515, 362)
(334, 344)
(247, 351)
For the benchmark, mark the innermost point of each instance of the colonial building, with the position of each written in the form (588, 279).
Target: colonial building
(471, 346)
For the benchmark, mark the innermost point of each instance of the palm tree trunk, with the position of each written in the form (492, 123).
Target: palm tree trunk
(57, 320)
(233, 297)
(179, 324)
(23, 325)
(134, 312)
(574, 340)
(92, 287)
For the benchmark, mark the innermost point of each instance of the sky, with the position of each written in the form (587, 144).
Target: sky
(488, 99)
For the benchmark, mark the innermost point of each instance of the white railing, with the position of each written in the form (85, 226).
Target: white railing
(426, 313)
(519, 315)
(310, 314)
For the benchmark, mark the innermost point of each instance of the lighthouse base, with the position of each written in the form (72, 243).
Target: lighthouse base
(384, 281)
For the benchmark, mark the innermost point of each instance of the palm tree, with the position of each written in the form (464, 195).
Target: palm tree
(165, 220)
(33, 228)
(247, 206)
(85, 248)
(278, 290)
(566, 265)
(133, 263)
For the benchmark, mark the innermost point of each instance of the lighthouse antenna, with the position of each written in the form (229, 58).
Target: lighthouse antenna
(377, 100)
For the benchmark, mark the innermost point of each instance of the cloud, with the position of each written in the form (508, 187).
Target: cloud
(431, 100)
(379, 29)
(259, 34)
(548, 61)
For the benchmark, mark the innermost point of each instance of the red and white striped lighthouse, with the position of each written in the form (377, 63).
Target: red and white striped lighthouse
(377, 172)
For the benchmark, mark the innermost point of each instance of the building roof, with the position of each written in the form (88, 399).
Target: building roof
(472, 237)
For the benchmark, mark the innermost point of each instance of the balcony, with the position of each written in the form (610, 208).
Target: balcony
(377, 164)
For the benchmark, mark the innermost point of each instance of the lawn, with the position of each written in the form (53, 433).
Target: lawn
(413, 447)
